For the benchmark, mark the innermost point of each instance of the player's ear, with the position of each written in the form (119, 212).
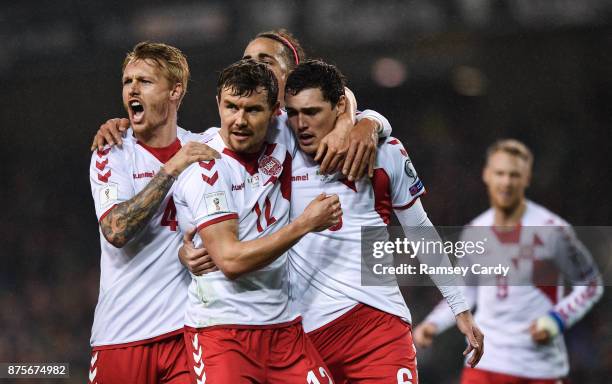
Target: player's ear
(341, 105)
(485, 176)
(177, 92)
(528, 178)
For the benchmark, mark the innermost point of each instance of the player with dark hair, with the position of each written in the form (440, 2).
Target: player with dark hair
(240, 328)
(523, 315)
(362, 332)
(280, 51)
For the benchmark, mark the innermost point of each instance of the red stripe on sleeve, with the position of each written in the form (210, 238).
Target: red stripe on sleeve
(219, 219)
(106, 213)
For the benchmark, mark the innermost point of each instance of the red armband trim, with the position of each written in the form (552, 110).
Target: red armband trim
(106, 213)
(217, 220)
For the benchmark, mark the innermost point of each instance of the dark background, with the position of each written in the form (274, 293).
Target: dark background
(451, 76)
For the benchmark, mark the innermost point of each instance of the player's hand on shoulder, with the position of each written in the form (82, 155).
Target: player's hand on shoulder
(196, 260)
(322, 212)
(110, 133)
(188, 154)
(361, 155)
(333, 148)
(424, 334)
(474, 336)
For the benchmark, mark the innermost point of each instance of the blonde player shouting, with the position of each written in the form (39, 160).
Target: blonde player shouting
(138, 323)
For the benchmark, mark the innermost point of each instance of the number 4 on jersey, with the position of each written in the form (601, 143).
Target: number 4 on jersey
(169, 216)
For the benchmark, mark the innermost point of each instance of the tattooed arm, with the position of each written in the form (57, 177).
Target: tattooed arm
(126, 219)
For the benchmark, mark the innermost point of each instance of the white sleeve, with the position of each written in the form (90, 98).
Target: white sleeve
(207, 193)
(443, 317)
(111, 181)
(280, 131)
(380, 119)
(416, 224)
(577, 265)
(406, 186)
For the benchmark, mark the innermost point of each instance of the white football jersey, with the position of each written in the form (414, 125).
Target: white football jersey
(143, 286)
(255, 190)
(325, 267)
(541, 245)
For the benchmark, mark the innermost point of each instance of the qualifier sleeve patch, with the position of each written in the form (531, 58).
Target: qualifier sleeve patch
(216, 202)
(108, 195)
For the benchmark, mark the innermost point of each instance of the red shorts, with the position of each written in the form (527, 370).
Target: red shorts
(159, 360)
(480, 376)
(280, 353)
(366, 345)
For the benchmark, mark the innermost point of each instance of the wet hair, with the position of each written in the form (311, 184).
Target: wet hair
(247, 76)
(293, 52)
(169, 59)
(317, 74)
(512, 147)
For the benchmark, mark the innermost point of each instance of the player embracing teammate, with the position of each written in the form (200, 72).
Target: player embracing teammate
(240, 325)
(143, 288)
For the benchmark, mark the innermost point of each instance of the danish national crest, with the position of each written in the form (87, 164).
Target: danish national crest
(270, 166)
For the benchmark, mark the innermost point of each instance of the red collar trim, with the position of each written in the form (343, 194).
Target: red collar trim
(512, 236)
(165, 153)
(248, 160)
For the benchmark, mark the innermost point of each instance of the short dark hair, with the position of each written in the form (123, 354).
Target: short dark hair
(293, 52)
(317, 74)
(247, 76)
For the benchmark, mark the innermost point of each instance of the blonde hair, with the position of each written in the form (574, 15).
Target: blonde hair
(168, 58)
(512, 147)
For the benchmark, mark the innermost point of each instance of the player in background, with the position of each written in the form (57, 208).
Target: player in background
(239, 326)
(137, 334)
(524, 321)
(362, 332)
(281, 52)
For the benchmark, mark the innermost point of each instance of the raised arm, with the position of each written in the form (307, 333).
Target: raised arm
(351, 146)
(110, 133)
(235, 258)
(126, 219)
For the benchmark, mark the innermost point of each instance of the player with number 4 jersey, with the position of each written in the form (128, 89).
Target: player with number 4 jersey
(137, 335)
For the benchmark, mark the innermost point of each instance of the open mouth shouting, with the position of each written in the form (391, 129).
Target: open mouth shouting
(136, 111)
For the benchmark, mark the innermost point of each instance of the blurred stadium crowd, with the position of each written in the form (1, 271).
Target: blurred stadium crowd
(450, 76)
